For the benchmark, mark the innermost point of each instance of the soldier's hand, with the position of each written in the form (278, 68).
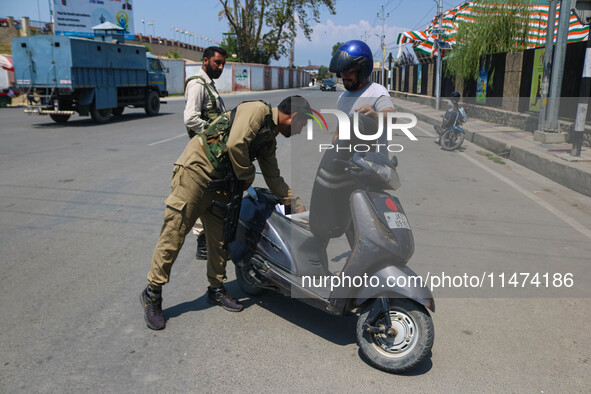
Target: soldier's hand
(301, 209)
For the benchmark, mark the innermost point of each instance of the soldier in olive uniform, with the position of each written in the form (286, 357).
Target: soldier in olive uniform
(203, 105)
(252, 137)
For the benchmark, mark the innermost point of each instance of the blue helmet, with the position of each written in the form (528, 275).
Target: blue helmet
(353, 54)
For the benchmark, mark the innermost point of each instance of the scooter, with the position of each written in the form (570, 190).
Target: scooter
(288, 254)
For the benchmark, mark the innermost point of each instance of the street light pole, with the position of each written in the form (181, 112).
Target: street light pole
(547, 64)
(582, 11)
(558, 67)
(383, 45)
(439, 71)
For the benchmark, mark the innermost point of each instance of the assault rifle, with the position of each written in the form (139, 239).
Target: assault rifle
(235, 187)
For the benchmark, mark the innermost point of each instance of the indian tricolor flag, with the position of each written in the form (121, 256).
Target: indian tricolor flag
(537, 25)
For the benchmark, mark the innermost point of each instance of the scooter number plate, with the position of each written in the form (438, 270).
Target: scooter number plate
(396, 220)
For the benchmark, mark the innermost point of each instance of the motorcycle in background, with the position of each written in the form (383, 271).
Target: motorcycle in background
(451, 135)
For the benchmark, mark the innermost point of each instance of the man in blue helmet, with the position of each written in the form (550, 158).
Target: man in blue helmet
(353, 63)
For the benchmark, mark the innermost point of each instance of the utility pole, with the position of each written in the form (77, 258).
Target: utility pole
(51, 18)
(439, 71)
(291, 50)
(547, 63)
(558, 67)
(583, 12)
(365, 36)
(382, 44)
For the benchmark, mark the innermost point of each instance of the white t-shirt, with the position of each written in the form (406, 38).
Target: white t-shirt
(374, 94)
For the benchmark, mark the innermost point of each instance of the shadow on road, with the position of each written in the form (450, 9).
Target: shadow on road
(424, 367)
(338, 330)
(84, 121)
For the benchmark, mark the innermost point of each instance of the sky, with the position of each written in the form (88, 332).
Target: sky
(354, 19)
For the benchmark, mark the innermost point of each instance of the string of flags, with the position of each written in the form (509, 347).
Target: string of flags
(186, 32)
(424, 40)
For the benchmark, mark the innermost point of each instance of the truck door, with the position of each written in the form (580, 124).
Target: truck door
(156, 76)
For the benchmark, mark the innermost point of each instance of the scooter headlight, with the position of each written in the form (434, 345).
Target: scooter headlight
(387, 174)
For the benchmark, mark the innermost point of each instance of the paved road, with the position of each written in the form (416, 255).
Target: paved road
(80, 210)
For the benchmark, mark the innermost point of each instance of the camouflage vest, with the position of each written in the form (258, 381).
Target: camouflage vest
(215, 138)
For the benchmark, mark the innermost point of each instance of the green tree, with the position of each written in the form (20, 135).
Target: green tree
(335, 47)
(323, 73)
(265, 28)
(230, 44)
(498, 27)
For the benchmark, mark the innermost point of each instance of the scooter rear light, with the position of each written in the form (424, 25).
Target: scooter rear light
(391, 205)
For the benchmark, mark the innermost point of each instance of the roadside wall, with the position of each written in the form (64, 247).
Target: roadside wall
(162, 47)
(254, 77)
(175, 76)
(510, 84)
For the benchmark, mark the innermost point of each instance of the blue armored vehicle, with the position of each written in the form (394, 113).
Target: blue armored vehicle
(63, 75)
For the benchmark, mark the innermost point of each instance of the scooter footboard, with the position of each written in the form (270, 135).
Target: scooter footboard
(394, 282)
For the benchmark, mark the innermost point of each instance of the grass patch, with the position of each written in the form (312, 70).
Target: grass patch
(490, 156)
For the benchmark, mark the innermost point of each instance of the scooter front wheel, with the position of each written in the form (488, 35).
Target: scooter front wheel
(401, 346)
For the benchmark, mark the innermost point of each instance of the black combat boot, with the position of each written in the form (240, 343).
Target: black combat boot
(152, 302)
(201, 247)
(220, 296)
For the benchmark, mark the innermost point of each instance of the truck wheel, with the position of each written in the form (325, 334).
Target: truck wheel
(152, 106)
(59, 118)
(118, 111)
(101, 115)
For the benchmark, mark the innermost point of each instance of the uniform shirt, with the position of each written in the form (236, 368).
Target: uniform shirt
(250, 138)
(198, 101)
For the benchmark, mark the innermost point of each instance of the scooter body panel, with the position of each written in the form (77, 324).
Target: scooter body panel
(384, 244)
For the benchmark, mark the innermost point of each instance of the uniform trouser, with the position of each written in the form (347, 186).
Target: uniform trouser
(198, 227)
(188, 201)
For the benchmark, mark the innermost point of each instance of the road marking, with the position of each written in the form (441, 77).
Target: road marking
(561, 215)
(166, 140)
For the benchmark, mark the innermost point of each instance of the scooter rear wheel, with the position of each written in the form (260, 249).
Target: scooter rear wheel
(406, 345)
(247, 283)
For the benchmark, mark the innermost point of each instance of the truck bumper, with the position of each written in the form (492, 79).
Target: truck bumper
(42, 111)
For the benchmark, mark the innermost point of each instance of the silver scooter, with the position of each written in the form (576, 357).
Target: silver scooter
(288, 254)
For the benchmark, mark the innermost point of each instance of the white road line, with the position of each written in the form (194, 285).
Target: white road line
(166, 140)
(561, 215)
